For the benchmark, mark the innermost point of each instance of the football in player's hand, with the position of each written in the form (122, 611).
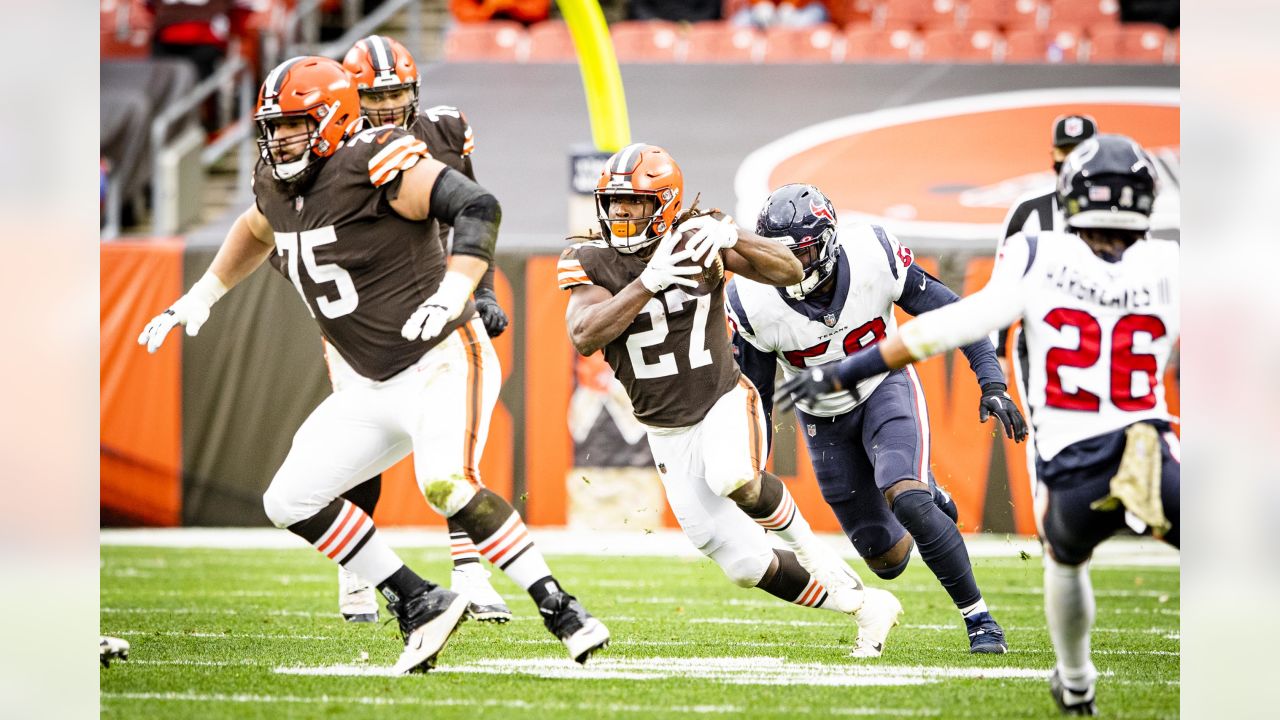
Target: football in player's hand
(710, 277)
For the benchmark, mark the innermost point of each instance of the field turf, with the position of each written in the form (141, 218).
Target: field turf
(255, 634)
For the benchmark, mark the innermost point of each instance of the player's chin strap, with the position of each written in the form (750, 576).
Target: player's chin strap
(1136, 486)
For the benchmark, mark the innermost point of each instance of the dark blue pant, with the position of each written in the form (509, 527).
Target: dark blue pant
(1080, 475)
(858, 455)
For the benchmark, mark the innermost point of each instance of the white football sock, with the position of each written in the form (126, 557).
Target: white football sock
(1070, 609)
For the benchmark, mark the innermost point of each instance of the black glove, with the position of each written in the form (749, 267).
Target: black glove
(491, 314)
(807, 385)
(996, 401)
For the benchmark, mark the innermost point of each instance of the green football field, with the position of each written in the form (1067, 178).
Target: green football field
(255, 634)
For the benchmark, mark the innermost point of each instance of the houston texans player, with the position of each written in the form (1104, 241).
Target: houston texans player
(1099, 307)
(870, 451)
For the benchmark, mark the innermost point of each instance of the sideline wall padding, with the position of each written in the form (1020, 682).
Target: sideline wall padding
(248, 380)
(140, 449)
(194, 433)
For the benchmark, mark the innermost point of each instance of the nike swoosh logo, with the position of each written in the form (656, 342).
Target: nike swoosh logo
(922, 283)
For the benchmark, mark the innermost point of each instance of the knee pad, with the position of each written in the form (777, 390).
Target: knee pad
(744, 569)
(448, 495)
(282, 509)
(724, 481)
(911, 505)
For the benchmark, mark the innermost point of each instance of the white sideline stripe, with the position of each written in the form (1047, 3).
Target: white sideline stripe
(660, 543)
(756, 670)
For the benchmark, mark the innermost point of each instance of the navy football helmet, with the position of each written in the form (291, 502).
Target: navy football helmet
(804, 219)
(1109, 182)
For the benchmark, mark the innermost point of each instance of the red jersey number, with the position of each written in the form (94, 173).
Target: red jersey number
(1124, 362)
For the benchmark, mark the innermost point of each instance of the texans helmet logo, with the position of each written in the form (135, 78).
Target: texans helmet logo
(821, 210)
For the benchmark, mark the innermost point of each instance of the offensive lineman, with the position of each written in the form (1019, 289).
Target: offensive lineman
(877, 441)
(344, 214)
(1099, 307)
(389, 85)
(634, 296)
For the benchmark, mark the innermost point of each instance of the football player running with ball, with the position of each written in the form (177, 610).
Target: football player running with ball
(1099, 308)
(657, 312)
(389, 85)
(344, 214)
(870, 450)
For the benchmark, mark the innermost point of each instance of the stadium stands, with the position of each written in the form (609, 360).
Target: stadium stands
(550, 42)
(867, 44)
(920, 13)
(792, 45)
(722, 43)
(494, 41)
(654, 41)
(977, 45)
(1138, 43)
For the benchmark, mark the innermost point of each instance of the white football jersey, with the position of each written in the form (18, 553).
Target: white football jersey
(1099, 334)
(871, 269)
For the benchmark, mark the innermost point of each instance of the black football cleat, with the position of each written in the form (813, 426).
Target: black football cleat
(427, 621)
(985, 635)
(1071, 701)
(581, 633)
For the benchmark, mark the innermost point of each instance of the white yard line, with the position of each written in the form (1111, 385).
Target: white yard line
(659, 543)
(592, 708)
(726, 670)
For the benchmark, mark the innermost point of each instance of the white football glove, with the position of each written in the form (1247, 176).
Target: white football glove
(666, 269)
(713, 236)
(437, 311)
(191, 310)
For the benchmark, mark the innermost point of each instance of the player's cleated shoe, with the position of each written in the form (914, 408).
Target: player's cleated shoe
(985, 635)
(581, 633)
(110, 648)
(472, 581)
(1071, 701)
(878, 615)
(427, 620)
(357, 600)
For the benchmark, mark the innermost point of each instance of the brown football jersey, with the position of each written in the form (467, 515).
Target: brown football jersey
(448, 136)
(361, 268)
(449, 139)
(674, 359)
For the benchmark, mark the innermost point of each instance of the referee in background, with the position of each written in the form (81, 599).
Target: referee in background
(1034, 212)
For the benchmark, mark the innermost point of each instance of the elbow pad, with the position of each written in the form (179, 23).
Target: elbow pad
(471, 210)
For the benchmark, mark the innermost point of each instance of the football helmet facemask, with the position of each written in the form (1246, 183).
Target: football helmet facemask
(316, 90)
(647, 172)
(381, 66)
(1109, 182)
(804, 220)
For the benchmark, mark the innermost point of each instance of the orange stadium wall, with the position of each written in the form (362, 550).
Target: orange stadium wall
(140, 449)
(529, 452)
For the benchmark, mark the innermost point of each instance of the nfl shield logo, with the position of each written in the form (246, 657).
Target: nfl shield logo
(829, 319)
(812, 430)
(297, 204)
(1074, 127)
(662, 468)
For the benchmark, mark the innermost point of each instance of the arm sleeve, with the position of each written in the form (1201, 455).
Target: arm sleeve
(474, 214)
(972, 318)
(759, 367)
(923, 293)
